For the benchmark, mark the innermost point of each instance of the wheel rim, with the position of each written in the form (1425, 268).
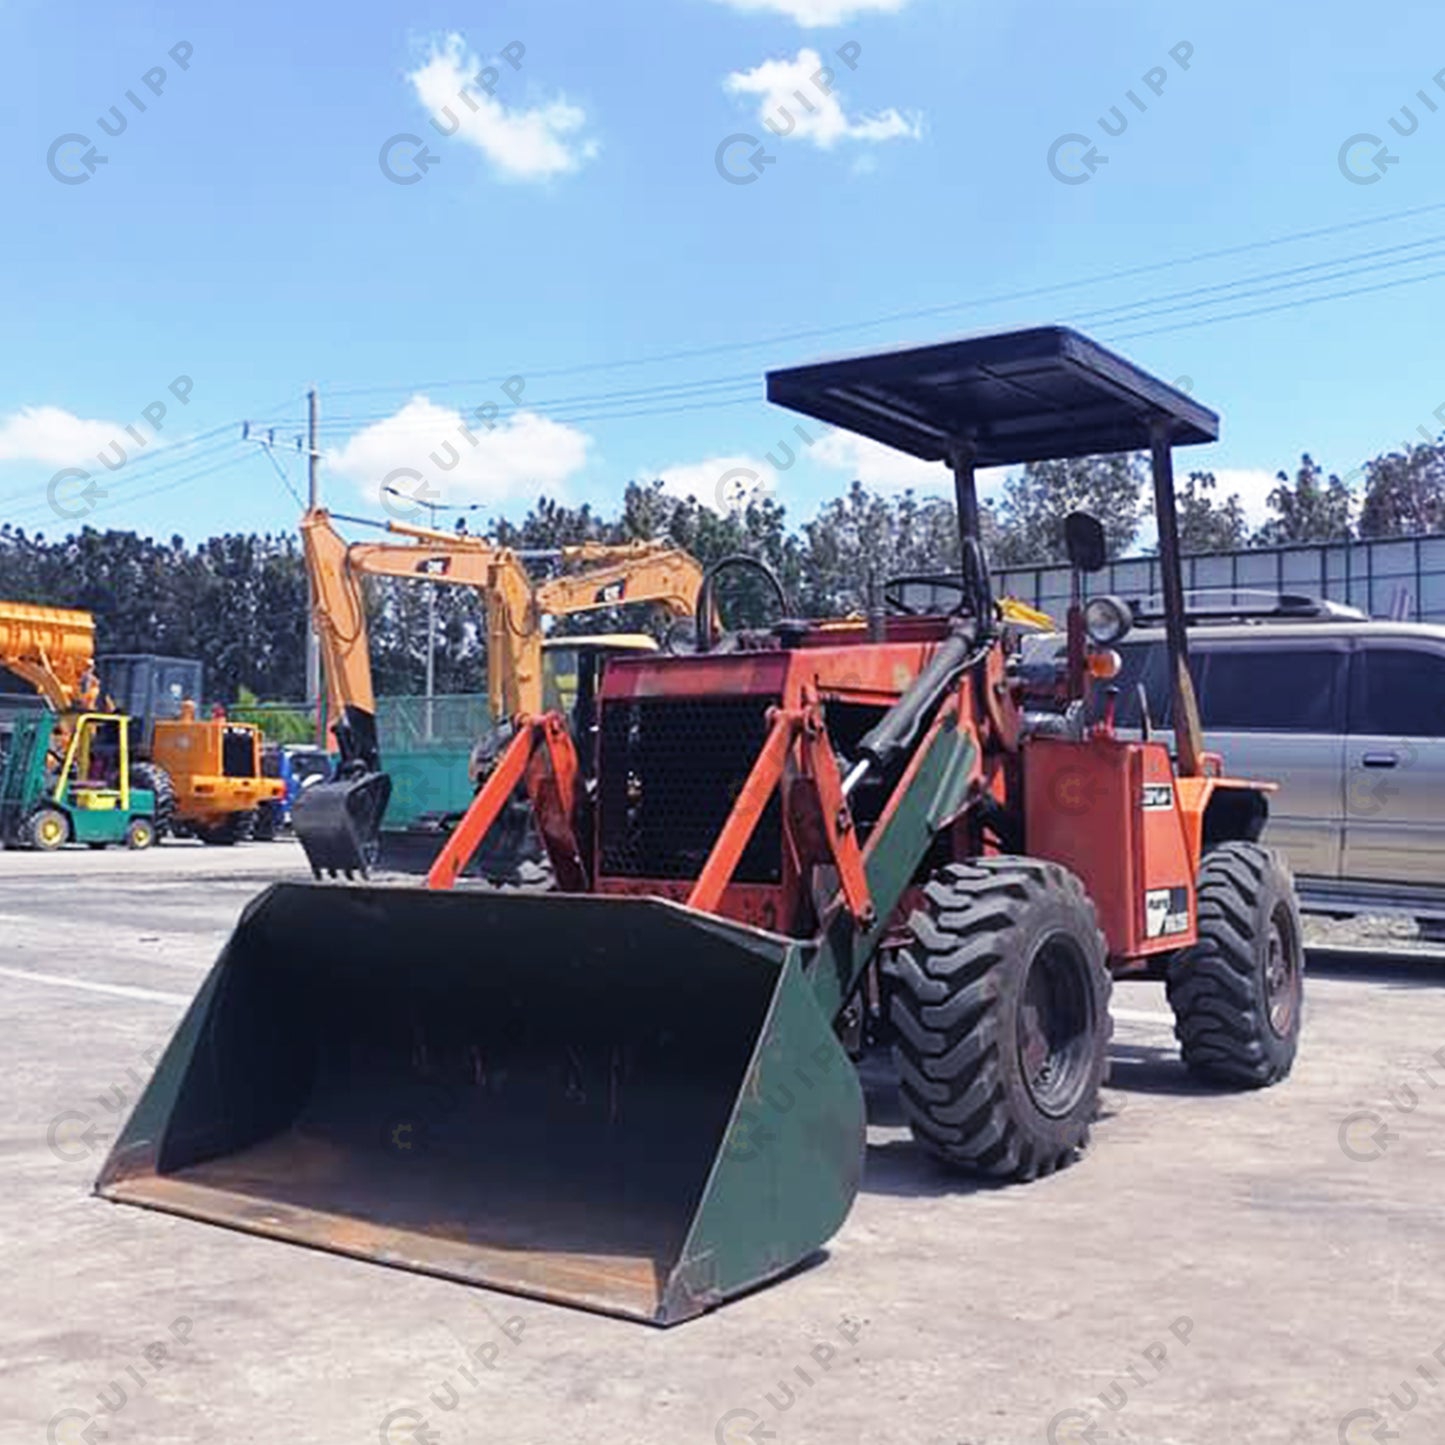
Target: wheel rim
(1056, 1026)
(1281, 973)
(51, 831)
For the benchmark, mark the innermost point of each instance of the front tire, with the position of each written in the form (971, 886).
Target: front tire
(155, 778)
(49, 829)
(1000, 1008)
(1238, 993)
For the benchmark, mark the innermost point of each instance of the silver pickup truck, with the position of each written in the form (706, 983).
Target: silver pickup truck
(1347, 714)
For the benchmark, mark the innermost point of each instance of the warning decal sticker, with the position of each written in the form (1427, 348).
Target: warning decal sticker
(1166, 911)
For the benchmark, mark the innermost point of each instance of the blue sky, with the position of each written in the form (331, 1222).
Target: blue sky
(575, 230)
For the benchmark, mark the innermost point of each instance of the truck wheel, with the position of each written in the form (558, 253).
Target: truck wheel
(1238, 993)
(233, 828)
(1000, 1008)
(158, 781)
(140, 833)
(49, 829)
(268, 823)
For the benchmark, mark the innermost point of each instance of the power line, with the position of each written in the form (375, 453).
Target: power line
(1282, 306)
(38, 508)
(148, 460)
(1437, 241)
(1347, 273)
(721, 391)
(1031, 293)
(268, 450)
(421, 427)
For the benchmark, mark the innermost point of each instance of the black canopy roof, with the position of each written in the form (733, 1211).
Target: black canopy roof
(1019, 396)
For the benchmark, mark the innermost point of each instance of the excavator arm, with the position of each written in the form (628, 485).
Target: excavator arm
(339, 822)
(497, 573)
(609, 576)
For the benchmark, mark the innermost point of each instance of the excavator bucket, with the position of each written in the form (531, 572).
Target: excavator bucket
(616, 1103)
(339, 823)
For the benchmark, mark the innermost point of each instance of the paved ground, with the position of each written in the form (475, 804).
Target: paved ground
(1262, 1268)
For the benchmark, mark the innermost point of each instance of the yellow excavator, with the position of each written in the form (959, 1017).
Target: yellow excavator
(339, 822)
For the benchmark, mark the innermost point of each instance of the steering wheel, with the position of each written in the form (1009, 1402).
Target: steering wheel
(705, 613)
(894, 591)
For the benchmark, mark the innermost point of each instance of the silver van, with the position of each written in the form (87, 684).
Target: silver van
(1346, 714)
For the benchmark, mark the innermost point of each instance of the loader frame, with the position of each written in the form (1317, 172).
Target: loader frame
(653, 1110)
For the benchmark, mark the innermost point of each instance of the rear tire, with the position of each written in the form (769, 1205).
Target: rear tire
(140, 833)
(268, 823)
(48, 829)
(1238, 993)
(222, 834)
(1000, 1008)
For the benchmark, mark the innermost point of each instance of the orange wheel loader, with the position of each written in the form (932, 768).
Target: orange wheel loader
(633, 1093)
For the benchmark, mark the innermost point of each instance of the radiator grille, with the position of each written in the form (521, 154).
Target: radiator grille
(670, 771)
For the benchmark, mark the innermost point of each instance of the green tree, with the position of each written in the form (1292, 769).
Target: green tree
(1312, 508)
(1405, 492)
(237, 603)
(865, 538)
(1035, 502)
(1206, 525)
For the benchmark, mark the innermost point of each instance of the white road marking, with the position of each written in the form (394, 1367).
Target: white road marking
(1141, 1016)
(118, 990)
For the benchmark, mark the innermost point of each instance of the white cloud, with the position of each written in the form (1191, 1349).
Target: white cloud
(523, 144)
(726, 484)
(814, 13)
(459, 460)
(878, 467)
(53, 436)
(1252, 485)
(794, 105)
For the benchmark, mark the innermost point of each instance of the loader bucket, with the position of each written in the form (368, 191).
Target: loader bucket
(616, 1103)
(339, 823)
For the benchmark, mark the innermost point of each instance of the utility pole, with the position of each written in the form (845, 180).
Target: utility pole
(431, 640)
(313, 642)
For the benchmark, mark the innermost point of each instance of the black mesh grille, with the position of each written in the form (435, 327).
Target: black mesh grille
(671, 769)
(238, 753)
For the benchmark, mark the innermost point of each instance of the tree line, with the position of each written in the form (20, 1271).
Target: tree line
(238, 602)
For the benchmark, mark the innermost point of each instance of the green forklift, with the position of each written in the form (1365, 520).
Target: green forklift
(67, 779)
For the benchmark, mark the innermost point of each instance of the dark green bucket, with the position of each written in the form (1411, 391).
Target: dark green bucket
(616, 1103)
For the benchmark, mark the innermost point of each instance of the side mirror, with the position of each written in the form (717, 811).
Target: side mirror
(1084, 542)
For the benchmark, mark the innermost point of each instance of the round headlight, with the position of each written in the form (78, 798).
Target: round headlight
(1107, 620)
